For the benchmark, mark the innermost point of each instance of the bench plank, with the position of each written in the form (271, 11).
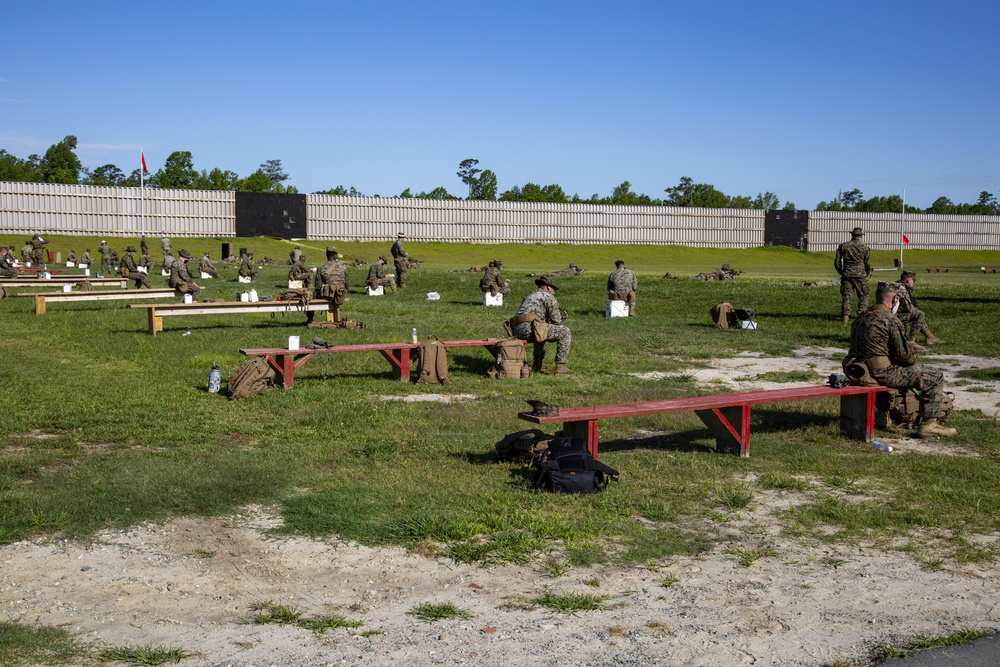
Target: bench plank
(399, 355)
(60, 281)
(727, 416)
(42, 299)
(156, 312)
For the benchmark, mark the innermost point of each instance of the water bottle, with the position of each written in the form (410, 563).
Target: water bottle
(881, 446)
(413, 335)
(214, 379)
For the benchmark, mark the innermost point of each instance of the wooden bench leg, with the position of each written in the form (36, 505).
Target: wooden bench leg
(155, 323)
(857, 416)
(39, 304)
(586, 430)
(400, 360)
(730, 426)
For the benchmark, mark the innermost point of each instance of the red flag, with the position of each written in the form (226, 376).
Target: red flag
(146, 171)
(906, 239)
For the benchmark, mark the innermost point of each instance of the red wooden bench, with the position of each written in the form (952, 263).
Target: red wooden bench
(727, 416)
(285, 362)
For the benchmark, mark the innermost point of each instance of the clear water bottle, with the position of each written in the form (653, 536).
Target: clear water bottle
(214, 379)
(413, 335)
(881, 446)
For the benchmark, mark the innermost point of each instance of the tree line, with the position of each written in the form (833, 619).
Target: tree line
(60, 164)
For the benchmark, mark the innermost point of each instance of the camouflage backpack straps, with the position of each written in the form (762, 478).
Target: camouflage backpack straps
(511, 361)
(250, 379)
(530, 446)
(433, 362)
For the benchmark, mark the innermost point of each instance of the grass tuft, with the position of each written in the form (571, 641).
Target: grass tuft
(430, 613)
(571, 603)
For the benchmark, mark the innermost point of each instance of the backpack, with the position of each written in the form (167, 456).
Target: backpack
(511, 361)
(530, 446)
(3, 292)
(85, 286)
(569, 468)
(250, 379)
(724, 316)
(302, 295)
(903, 407)
(432, 360)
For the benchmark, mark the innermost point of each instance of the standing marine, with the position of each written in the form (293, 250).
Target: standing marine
(37, 254)
(539, 321)
(853, 263)
(622, 285)
(400, 259)
(878, 341)
(105, 251)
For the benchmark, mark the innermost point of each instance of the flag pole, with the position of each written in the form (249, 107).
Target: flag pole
(902, 230)
(142, 203)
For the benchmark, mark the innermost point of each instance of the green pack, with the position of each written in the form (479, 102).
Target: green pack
(432, 362)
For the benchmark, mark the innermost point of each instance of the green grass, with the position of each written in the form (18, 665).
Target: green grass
(922, 642)
(571, 603)
(143, 656)
(107, 427)
(431, 613)
(24, 645)
(272, 612)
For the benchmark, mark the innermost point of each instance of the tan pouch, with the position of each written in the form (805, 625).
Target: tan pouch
(539, 331)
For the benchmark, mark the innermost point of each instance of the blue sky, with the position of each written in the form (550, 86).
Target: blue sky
(800, 98)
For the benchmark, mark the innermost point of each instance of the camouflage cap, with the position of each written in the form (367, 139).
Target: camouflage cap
(545, 281)
(887, 287)
(498, 261)
(131, 248)
(857, 231)
(907, 274)
(726, 267)
(185, 254)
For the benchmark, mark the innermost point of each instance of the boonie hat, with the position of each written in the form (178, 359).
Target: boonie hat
(545, 281)
(131, 248)
(185, 254)
(857, 231)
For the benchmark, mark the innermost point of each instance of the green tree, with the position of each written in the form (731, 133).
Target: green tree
(467, 171)
(789, 206)
(13, 168)
(622, 195)
(406, 194)
(273, 170)
(218, 179)
(177, 172)
(255, 182)
(485, 187)
(436, 193)
(681, 194)
(107, 174)
(767, 201)
(60, 164)
(941, 205)
(706, 196)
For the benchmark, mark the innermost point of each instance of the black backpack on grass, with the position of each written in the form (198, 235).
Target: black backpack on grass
(570, 468)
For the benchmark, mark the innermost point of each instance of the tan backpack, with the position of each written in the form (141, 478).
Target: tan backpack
(432, 362)
(511, 361)
(250, 379)
(724, 316)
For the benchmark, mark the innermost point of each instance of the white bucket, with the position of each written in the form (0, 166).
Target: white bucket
(253, 296)
(293, 342)
(244, 297)
(71, 264)
(86, 272)
(615, 309)
(243, 279)
(490, 300)
(748, 324)
(378, 291)
(205, 276)
(67, 288)
(188, 298)
(48, 276)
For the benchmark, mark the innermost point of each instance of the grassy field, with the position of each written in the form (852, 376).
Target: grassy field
(105, 426)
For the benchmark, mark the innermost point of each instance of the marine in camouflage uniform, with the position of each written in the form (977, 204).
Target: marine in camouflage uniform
(493, 280)
(878, 340)
(205, 266)
(105, 251)
(542, 305)
(128, 269)
(400, 259)
(622, 285)
(180, 279)
(300, 272)
(165, 247)
(853, 263)
(571, 270)
(332, 283)
(37, 254)
(144, 245)
(7, 268)
(26, 252)
(377, 276)
(85, 259)
(910, 314)
(247, 267)
(71, 257)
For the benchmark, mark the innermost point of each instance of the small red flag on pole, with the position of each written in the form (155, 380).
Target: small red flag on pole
(906, 239)
(146, 171)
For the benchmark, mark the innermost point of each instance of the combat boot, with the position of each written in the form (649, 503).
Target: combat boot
(916, 346)
(932, 339)
(847, 318)
(931, 428)
(562, 370)
(631, 310)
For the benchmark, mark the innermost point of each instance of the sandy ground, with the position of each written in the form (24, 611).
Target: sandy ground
(191, 584)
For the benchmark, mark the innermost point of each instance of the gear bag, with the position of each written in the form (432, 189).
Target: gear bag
(250, 379)
(724, 316)
(300, 294)
(569, 468)
(511, 361)
(903, 406)
(530, 446)
(432, 362)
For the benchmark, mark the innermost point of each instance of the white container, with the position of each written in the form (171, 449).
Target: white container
(48, 276)
(294, 284)
(253, 296)
(748, 324)
(490, 300)
(615, 309)
(188, 298)
(243, 279)
(244, 297)
(71, 264)
(142, 269)
(205, 276)
(164, 272)
(293, 342)
(378, 291)
(86, 272)
(67, 288)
